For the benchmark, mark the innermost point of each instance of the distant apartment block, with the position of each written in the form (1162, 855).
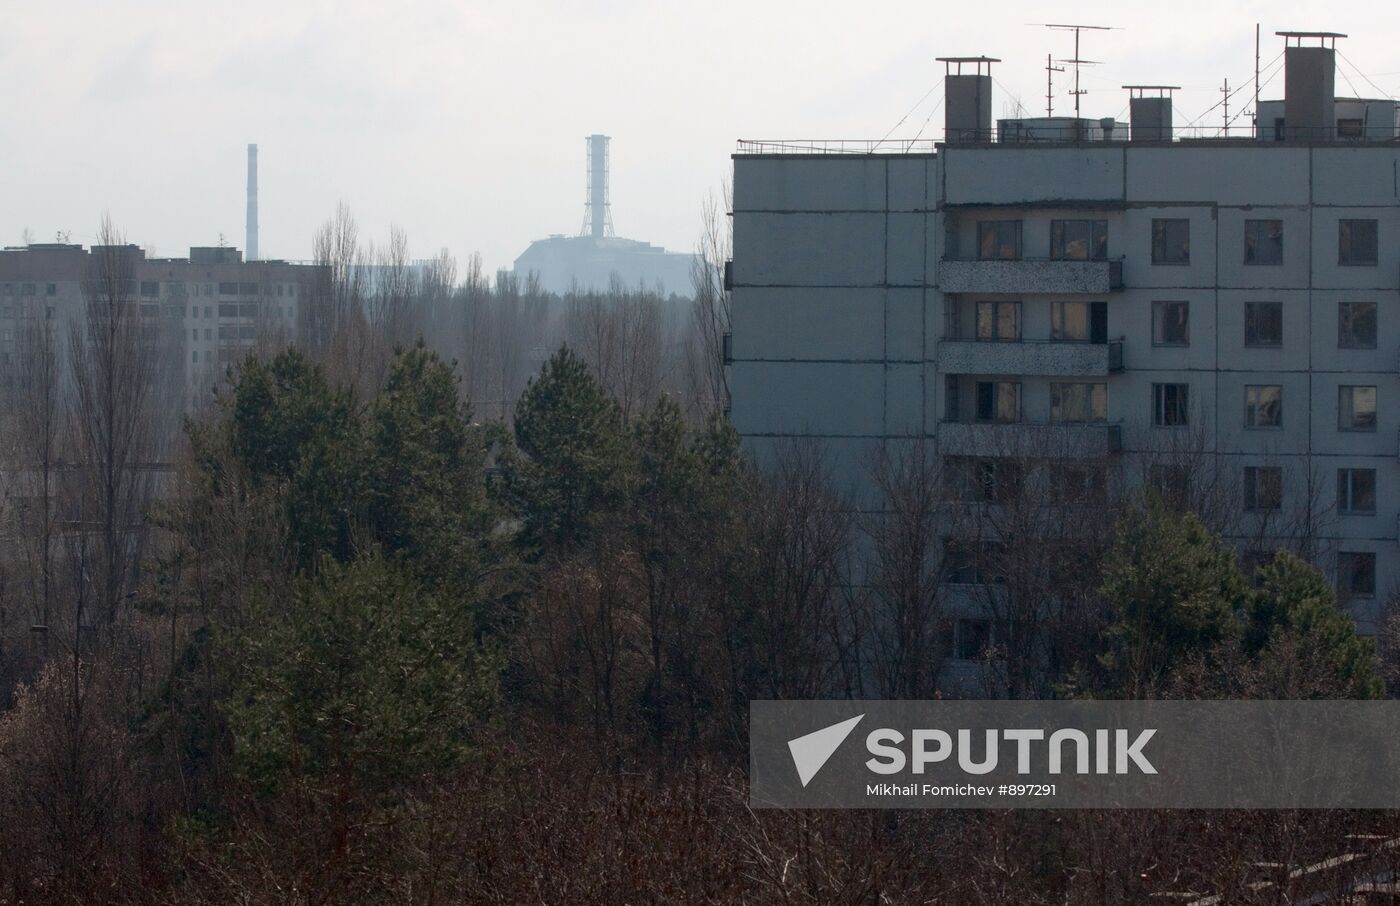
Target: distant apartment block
(208, 310)
(1096, 291)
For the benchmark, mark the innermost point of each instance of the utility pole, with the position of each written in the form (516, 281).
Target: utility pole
(1225, 91)
(1050, 70)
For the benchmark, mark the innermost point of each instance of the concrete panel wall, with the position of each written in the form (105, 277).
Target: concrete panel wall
(1138, 269)
(1329, 273)
(1356, 176)
(905, 312)
(1298, 332)
(831, 183)
(1327, 356)
(1291, 272)
(1219, 174)
(809, 249)
(905, 247)
(786, 323)
(1327, 440)
(1012, 175)
(826, 398)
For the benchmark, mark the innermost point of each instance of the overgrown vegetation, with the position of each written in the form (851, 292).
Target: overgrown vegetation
(378, 649)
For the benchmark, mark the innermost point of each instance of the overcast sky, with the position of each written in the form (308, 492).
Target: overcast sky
(463, 121)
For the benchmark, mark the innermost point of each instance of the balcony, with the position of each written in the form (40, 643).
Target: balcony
(1029, 275)
(1030, 440)
(1031, 357)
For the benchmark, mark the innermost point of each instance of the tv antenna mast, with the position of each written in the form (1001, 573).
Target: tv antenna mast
(1077, 61)
(1050, 70)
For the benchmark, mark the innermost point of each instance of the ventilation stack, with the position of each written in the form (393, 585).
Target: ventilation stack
(597, 219)
(1309, 85)
(1150, 115)
(252, 225)
(967, 99)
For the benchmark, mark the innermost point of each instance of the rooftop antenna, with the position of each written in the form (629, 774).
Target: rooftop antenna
(1225, 108)
(1050, 70)
(1077, 61)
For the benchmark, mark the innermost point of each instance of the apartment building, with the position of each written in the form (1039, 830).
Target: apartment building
(1099, 293)
(206, 311)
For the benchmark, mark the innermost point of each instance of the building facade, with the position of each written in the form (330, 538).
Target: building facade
(1157, 308)
(206, 311)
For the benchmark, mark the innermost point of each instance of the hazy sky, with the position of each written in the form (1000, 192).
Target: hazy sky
(463, 121)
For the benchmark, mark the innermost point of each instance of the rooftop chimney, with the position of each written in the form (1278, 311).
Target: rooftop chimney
(967, 99)
(1150, 116)
(1309, 85)
(597, 221)
(252, 225)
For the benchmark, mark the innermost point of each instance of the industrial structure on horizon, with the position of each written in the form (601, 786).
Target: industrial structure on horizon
(1100, 295)
(595, 257)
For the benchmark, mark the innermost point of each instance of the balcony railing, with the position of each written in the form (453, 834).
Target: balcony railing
(1030, 440)
(1029, 275)
(1052, 358)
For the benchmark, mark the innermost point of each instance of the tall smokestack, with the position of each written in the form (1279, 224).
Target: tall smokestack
(598, 219)
(252, 227)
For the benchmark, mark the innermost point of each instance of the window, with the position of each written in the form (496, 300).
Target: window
(998, 481)
(1263, 406)
(1356, 491)
(971, 638)
(194, 333)
(1356, 408)
(1076, 483)
(1171, 241)
(967, 563)
(1171, 324)
(26, 289)
(1356, 574)
(226, 310)
(1263, 242)
(999, 239)
(228, 289)
(1170, 403)
(1251, 561)
(1079, 240)
(1263, 324)
(1356, 325)
(998, 320)
(1077, 322)
(951, 408)
(998, 401)
(1078, 402)
(1356, 242)
(51, 289)
(1263, 487)
(1172, 482)
(959, 563)
(150, 288)
(247, 289)
(1349, 128)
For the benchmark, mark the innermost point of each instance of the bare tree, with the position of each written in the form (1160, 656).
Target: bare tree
(711, 304)
(112, 351)
(907, 609)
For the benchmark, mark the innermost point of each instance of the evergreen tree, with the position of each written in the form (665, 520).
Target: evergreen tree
(567, 471)
(426, 495)
(1173, 589)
